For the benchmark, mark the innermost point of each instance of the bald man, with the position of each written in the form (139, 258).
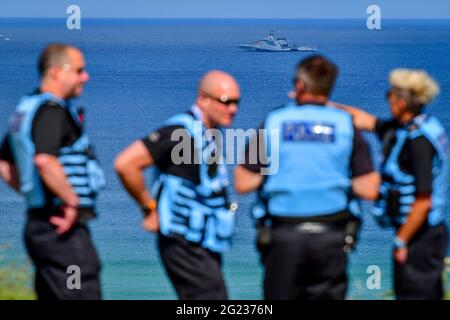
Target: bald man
(187, 203)
(46, 156)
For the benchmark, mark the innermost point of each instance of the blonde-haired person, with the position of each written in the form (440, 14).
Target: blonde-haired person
(413, 192)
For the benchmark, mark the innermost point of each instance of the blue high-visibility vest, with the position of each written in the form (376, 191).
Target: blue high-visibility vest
(312, 176)
(81, 168)
(198, 212)
(402, 184)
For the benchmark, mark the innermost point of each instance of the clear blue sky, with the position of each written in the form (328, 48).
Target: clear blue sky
(227, 8)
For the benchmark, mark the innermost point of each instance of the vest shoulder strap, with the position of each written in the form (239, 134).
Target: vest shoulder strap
(186, 120)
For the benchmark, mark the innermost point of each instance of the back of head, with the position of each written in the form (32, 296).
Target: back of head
(53, 54)
(317, 74)
(416, 87)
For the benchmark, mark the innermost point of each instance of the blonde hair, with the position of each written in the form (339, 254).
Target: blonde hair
(420, 85)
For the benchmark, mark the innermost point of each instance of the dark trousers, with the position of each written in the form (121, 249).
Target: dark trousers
(420, 278)
(52, 254)
(304, 266)
(195, 272)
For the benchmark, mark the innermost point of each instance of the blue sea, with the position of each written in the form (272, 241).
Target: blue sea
(143, 71)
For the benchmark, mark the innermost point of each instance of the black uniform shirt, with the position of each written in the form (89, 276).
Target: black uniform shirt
(159, 144)
(53, 128)
(416, 157)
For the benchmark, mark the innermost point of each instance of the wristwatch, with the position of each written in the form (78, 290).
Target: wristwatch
(149, 207)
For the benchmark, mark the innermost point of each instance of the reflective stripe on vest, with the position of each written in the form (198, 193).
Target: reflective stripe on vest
(199, 213)
(402, 184)
(82, 170)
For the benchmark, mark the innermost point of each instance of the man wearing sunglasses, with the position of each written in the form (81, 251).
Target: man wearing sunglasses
(187, 204)
(46, 156)
(306, 225)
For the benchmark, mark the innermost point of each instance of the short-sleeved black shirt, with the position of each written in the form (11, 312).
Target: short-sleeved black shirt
(53, 127)
(416, 157)
(160, 144)
(360, 162)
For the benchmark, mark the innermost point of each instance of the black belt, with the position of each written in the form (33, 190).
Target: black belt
(316, 227)
(317, 224)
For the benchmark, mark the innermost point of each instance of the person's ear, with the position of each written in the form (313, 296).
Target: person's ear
(201, 102)
(53, 73)
(299, 86)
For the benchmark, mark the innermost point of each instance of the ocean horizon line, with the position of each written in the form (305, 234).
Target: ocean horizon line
(225, 19)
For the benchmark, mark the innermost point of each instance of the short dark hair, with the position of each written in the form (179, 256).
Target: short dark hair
(53, 54)
(318, 74)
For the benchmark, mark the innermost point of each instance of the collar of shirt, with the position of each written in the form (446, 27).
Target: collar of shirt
(208, 136)
(310, 102)
(196, 112)
(414, 123)
(63, 103)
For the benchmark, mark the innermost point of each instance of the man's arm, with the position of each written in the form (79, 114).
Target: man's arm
(8, 170)
(52, 174)
(365, 181)
(8, 173)
(49, 129)
(130, 165)
(247, 177)
(366, 186)
(245, 180)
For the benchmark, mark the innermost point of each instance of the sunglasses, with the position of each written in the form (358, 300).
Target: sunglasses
(67, 67)
(224, 99)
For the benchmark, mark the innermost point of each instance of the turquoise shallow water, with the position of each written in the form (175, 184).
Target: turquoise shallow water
(143, 71)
